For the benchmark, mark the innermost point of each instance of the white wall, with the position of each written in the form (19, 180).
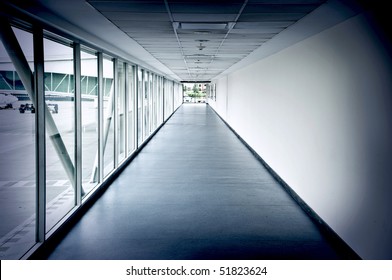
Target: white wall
(320, 114)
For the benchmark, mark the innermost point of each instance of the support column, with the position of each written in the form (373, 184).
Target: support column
(40, 137)
(114, 114)
(137, 106)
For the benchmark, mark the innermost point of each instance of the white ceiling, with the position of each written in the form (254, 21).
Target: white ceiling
(189, 40)
(198, 40)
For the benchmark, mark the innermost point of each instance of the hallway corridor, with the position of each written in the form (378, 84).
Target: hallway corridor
(195, 192)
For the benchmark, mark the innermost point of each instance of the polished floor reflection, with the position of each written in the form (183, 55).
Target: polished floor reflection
(196, 192)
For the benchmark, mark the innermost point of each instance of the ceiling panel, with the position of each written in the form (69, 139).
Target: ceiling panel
(205, 8)
(146, 25)
(287, 2)
(121, 15)
(185, 17)
(279, 8)
(130, 6)
(200, 39)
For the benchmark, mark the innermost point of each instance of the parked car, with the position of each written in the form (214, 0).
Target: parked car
(53, 108)
(26, 107)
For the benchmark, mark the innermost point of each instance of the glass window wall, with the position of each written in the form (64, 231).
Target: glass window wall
(168, 102)
(60, 131)
(124, 113)
(90, 125)
(154, 102)
(131, 92)
(108, 106)
(140, 127)
(160, 100)
(146, 108)
(17, 155)
(121, 111)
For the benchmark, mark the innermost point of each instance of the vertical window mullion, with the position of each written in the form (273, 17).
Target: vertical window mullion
(163, 100)
(78, 124)
(100, 116)
(126, 112)
(136, 79)
(115, 109)
(142, 95)
(39, 89)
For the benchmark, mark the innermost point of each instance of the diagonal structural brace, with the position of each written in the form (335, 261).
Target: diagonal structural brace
(107, 122)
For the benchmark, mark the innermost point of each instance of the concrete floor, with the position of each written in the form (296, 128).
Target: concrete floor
(195, 192)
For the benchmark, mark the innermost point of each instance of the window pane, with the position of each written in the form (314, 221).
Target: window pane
(60, 131)
(168, 98)
(150, 105)
(140, 106)
(131, 111)
(155, 100)
(146, 111)
(89, 84)
(121, 111)
(17, 158)
(108, 129)
(160, 100)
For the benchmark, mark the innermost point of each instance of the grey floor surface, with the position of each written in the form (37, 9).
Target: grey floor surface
(195, 192)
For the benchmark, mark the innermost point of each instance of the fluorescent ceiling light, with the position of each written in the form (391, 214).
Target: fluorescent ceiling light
(202, 32)
(199, 56)
(202, 26)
